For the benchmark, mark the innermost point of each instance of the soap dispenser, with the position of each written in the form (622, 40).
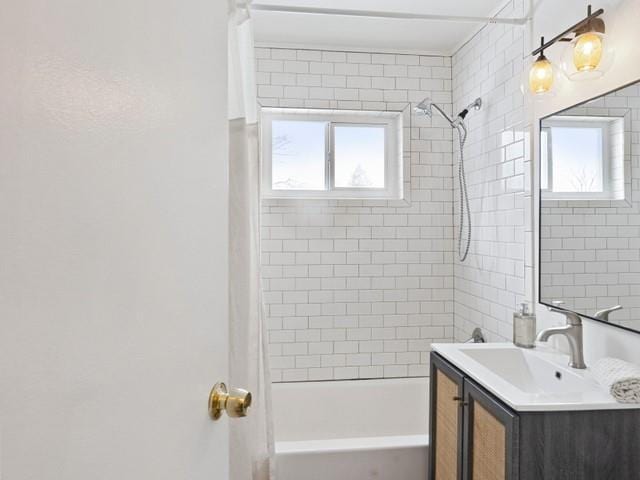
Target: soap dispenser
(524, 327)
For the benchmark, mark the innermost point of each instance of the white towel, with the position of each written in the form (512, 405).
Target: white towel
(621, 378)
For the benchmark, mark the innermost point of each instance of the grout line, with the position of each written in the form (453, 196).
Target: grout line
(334, 48)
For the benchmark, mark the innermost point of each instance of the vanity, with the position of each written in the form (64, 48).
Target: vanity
(499, 412)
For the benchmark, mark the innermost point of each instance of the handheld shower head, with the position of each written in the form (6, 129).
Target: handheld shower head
(475, 105)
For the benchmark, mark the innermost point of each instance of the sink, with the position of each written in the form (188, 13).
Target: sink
(536, 379)
(526, 371)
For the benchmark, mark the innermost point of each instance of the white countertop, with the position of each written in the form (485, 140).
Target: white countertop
(536, 379)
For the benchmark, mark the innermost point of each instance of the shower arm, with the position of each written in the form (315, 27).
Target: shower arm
(435, 105)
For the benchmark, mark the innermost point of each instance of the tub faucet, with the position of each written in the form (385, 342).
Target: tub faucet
(476, 336)
(572, 331)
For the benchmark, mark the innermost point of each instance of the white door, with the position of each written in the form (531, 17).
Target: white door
(113, 239)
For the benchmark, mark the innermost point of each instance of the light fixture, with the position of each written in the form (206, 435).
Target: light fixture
(588, 54)
(541, 75)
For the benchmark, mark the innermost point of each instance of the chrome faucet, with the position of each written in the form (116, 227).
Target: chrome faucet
(572, 331)
(604, 314)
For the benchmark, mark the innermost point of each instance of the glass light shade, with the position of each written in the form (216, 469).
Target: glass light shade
(541, 76)
(587, 56)
(587, 52)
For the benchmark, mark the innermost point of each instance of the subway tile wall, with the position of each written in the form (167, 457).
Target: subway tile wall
(496, 275)
(355, 288)
(590, 252)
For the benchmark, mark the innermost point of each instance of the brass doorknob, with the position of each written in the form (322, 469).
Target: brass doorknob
(235, 402)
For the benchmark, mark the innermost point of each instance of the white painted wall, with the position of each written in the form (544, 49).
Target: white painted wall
(113, 239)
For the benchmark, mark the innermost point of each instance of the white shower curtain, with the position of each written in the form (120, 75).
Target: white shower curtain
(251, 438)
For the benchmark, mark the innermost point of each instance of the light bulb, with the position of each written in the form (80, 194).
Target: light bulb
(541, 76)
(587, 52)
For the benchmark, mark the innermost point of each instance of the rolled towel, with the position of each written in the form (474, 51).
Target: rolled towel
(621, 378)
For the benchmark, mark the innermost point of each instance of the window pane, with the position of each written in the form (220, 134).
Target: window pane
(577, 159)
(359, 156)
(298, 155)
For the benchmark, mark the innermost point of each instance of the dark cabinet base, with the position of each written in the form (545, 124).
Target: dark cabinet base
(570, 445)
(589, 445)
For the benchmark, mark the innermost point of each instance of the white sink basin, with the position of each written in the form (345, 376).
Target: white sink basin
(529, 379)
(528, 373)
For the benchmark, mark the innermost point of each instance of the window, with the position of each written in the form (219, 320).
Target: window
(331, 154)
(578, 160)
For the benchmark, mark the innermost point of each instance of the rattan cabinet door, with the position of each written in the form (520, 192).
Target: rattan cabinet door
(490, 437)
(446, 419)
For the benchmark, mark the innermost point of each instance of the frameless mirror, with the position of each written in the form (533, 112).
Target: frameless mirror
(589, 258)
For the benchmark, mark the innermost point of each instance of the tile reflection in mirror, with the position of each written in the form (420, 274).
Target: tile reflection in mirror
(590, 208)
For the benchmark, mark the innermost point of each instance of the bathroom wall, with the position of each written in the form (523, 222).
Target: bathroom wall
(327, 315)
(491, 282)
(474, 282)
(360, 289)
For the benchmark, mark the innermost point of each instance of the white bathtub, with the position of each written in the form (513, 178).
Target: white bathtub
(352, 430)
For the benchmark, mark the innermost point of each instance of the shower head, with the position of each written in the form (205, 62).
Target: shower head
(426, 107)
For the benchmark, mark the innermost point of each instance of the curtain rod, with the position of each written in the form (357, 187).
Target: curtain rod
(381, 14)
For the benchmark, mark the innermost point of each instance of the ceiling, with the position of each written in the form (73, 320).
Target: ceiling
(372, 34)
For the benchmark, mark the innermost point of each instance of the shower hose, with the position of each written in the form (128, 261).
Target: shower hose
(465, 214)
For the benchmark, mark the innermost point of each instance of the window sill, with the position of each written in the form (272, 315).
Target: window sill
(335, 195)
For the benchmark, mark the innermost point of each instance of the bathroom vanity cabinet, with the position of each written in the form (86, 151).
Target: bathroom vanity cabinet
(476, 436)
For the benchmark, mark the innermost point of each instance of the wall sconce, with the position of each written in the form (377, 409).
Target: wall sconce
(587, 56)
(541, 75)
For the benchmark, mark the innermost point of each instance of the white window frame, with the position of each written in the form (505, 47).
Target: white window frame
(604, 124)
(392, 123)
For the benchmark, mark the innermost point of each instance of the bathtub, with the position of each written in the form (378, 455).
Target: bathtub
(352, 430)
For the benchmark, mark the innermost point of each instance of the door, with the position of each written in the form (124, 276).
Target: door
(490, 446)
(113, 239)
(445, 420)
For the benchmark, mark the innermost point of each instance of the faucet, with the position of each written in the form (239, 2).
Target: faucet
(604, 314)
(572, 331)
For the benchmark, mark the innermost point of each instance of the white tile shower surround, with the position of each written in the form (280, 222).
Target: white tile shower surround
(591, 249)
(501, 269)
(360, 289)
(496, 275)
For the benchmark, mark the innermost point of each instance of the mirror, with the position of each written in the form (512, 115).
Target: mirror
(589, 258)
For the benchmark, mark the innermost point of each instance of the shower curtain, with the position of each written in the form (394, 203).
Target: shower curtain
(251, 438)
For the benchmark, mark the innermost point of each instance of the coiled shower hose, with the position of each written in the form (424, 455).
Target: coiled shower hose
(465, 213)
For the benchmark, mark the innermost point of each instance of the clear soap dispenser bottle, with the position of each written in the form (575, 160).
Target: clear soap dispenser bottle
(524, 327)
